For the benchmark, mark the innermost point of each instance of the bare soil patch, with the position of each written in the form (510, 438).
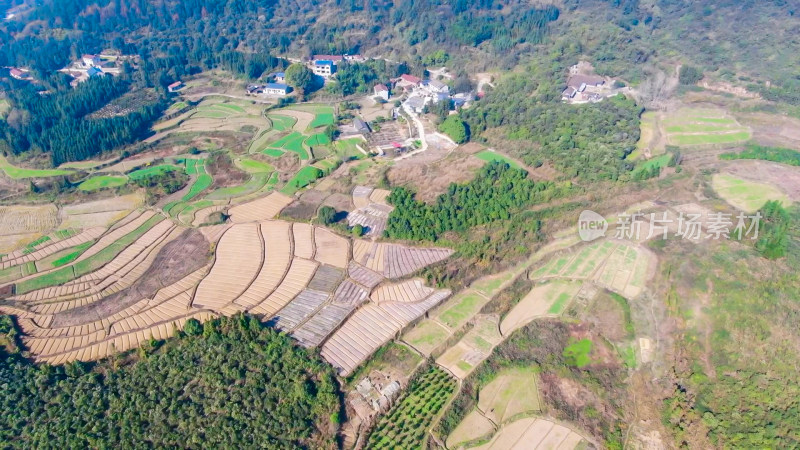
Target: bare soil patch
(224, 172)
(176, 260)
(431, 180)
(786, 178)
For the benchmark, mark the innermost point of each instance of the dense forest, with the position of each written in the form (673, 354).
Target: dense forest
(230, 383)
(57, 123)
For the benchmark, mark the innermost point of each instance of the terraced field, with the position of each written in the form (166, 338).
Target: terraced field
(703, 126)
(512, 392)
(84, 295)
(621, 266)
(746, 195)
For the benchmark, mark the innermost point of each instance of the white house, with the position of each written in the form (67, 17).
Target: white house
(91, 60)
(381, 91)
(276, 89)
(324, 68)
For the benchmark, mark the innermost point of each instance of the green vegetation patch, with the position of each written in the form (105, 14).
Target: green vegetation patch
(774, 154)
(90, 264)
(282, 123)
(702, 139)
(19, 173)
(577, 353)
(469, 304)
(744, 194)
(317, 139)
(274, 152)
(102, 182)
(322, 120)
(301, 179)
(151, 171)
(407, 422)
(223, 375)
(254, 166)
(73, 254)
(489, 156)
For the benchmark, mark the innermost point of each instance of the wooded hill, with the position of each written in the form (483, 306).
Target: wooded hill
(229, 383)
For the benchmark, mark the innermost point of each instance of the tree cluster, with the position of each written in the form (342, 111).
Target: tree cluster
(496, 193)
(231, 382)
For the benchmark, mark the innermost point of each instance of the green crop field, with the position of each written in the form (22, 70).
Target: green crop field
(701, 139)
(282, 123)
(175, 107)
(490, 156)
(102, 182)
(322, 120)
(468, 305)
(72, 255)
(16, 272)
(746, 195)
(274, 152)
(295, 144)
(406, 424)
(210, 114)
(187, 211)
(232, 107)
(202, 182)
(561, 302)
(19, 173)
(347, 149)
(255, 166)
(301, 179)
(90, 264)
(318, 139)
(148, 171)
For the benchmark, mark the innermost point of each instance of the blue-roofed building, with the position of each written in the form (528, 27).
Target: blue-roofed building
(276, 89)
(280, 77)
(324, 68)
(94, 72)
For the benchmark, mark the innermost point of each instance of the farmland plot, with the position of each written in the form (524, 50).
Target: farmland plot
(621, 266)
(372, 217)
(512, 392)
(239, 258)
(474, 426)
(118, 290)
(361, 196)
(543, 300)
(27, 219)
(331, 248)
(532, 433)
(473, 348)
(300, 309)
(21, 256)
(277, 258)
(695, 126)
(393, 260)
(370, 327)
(261, 209)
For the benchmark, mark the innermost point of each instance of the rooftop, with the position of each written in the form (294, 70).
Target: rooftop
(590, 80)
(276, 86)
(323, 62)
